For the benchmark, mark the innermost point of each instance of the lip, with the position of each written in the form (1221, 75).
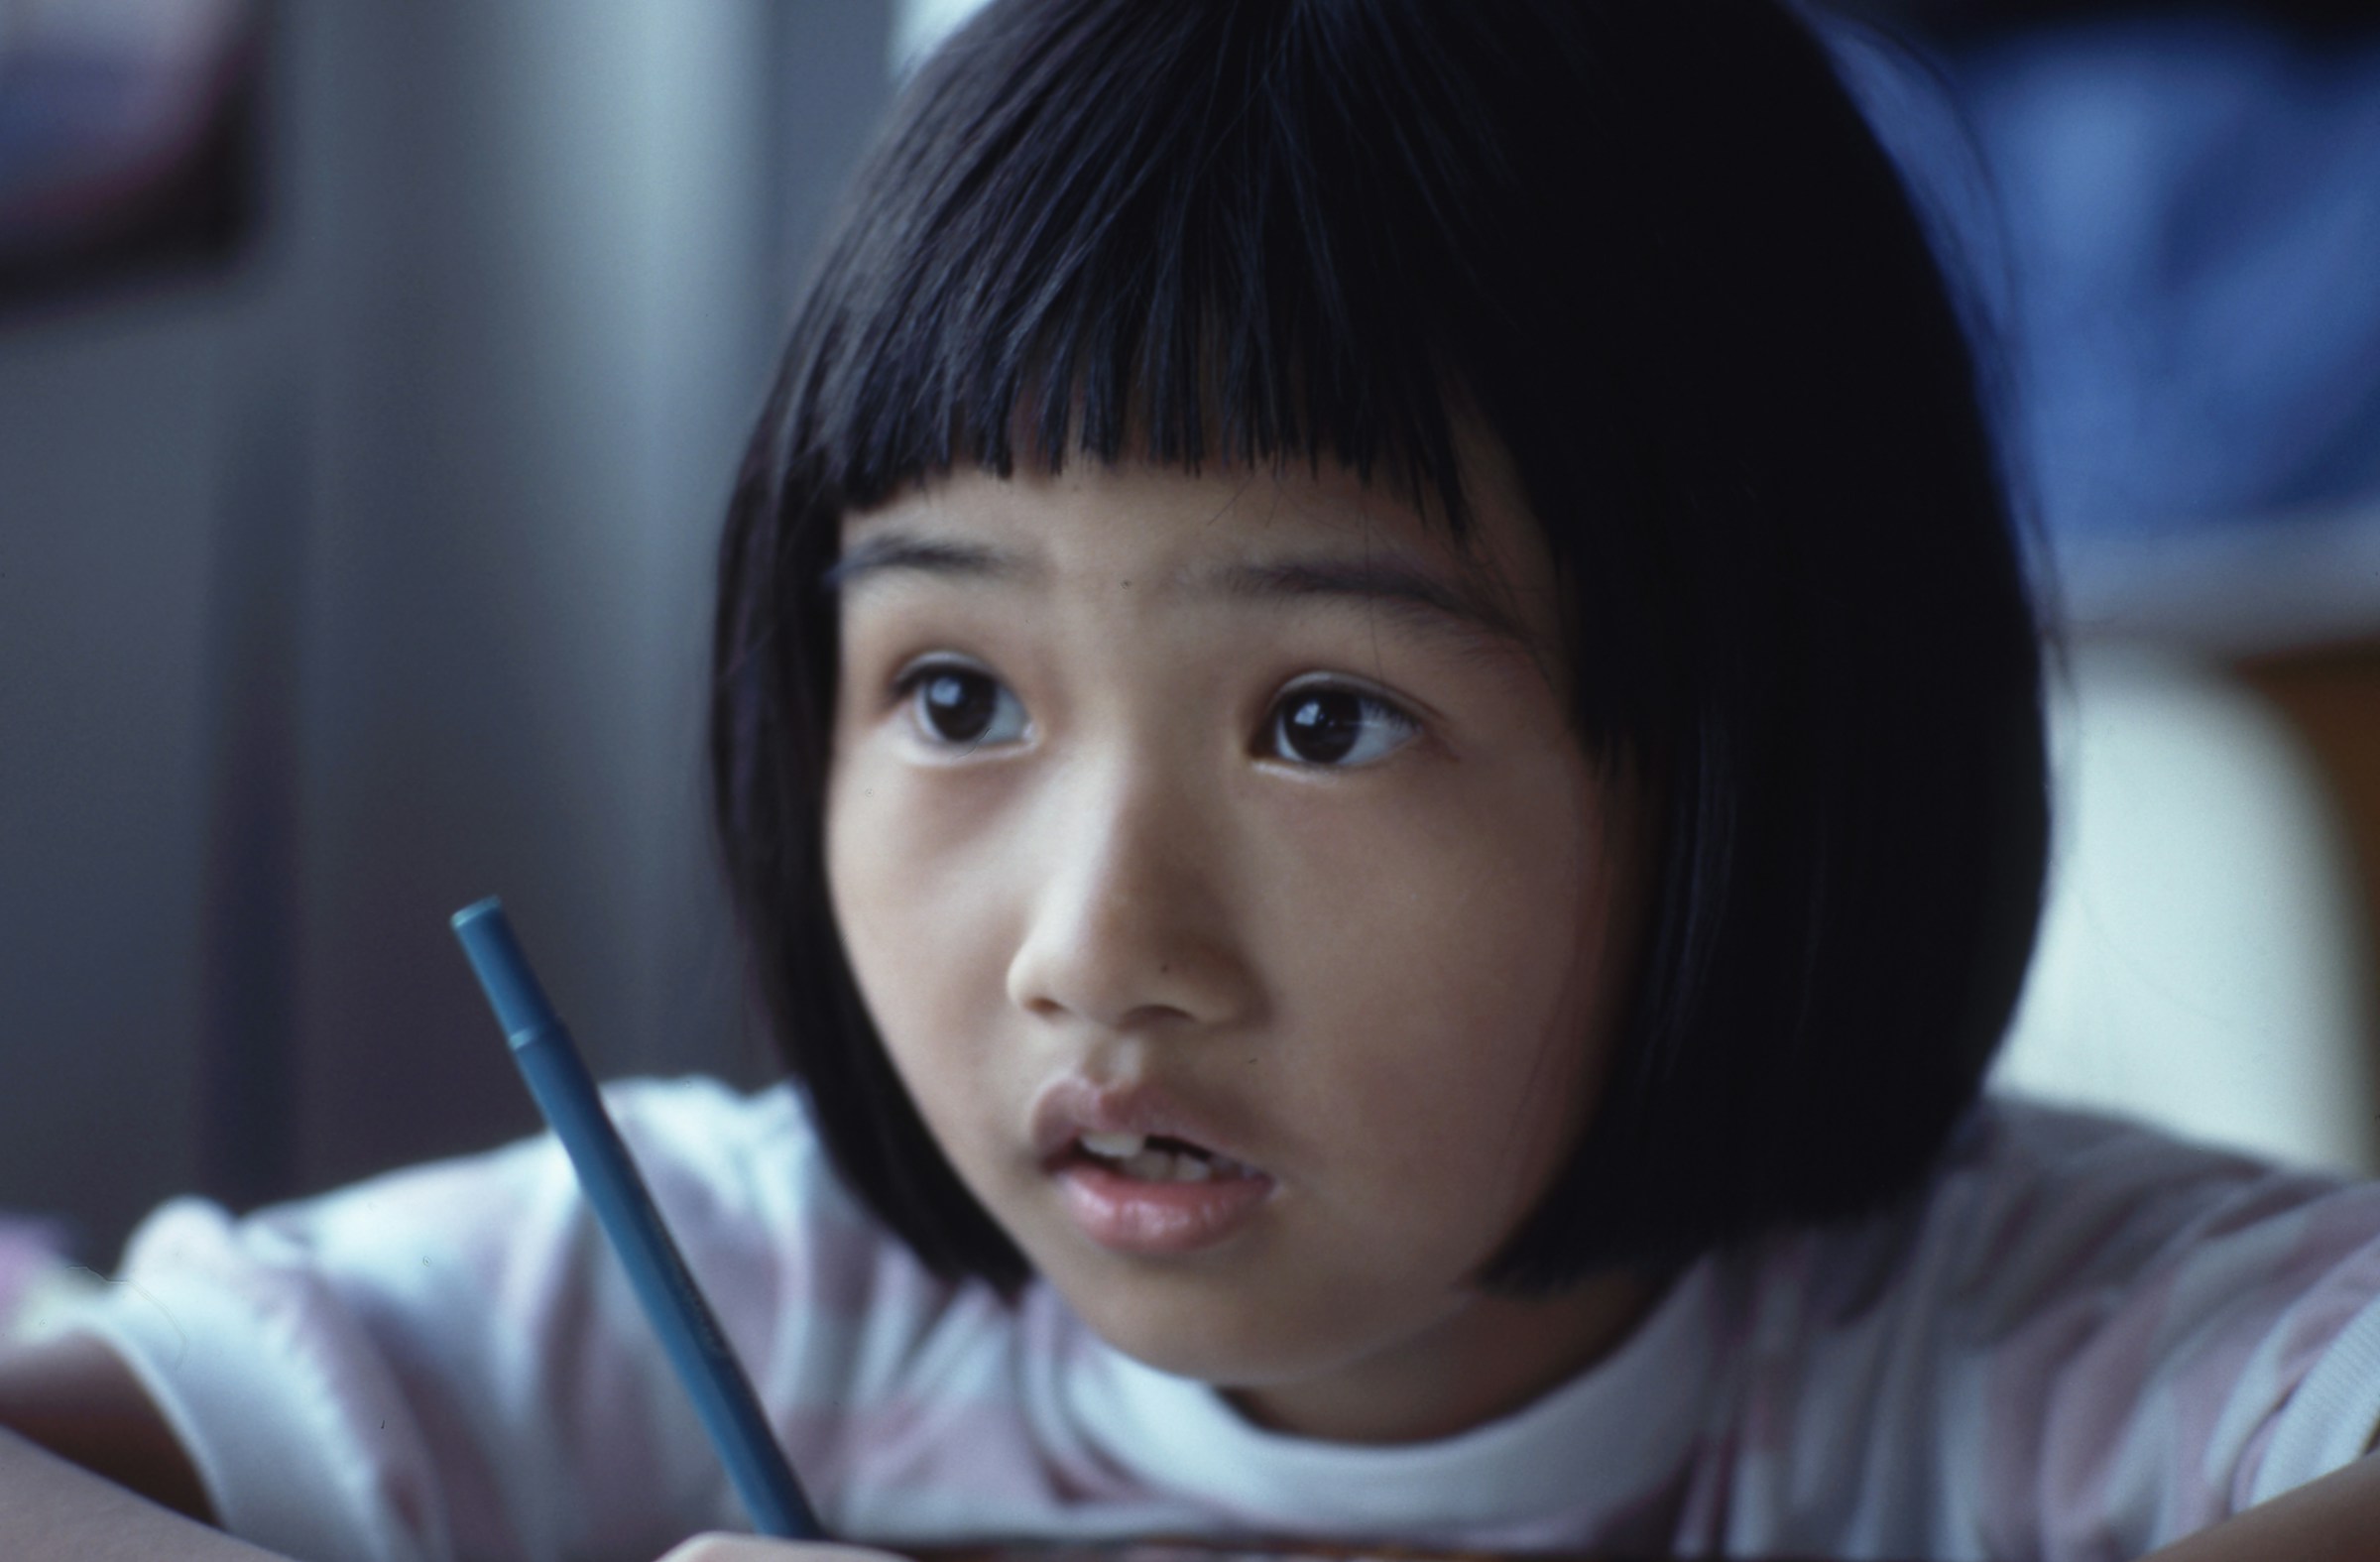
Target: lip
(1157, 1219)
(1071, 1106)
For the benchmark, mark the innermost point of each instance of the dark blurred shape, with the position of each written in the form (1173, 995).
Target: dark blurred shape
(2172, 213)
(128, 141)
(1965, 18)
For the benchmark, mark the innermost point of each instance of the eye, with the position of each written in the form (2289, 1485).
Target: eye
(960, 706)
(1327, 724)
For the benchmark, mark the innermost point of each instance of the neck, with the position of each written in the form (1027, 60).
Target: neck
(1490, 1359)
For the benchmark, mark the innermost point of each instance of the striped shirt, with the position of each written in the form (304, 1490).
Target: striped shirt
(2081, 1340)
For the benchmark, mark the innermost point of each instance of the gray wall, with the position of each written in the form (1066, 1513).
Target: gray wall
(372, 577)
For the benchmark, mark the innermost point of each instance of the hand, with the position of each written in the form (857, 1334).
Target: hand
(2331, 1519)
(752, 1548)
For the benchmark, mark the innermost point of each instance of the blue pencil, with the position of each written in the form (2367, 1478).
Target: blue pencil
(566, 1093)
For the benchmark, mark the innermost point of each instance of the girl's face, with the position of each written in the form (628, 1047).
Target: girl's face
(1240, 803)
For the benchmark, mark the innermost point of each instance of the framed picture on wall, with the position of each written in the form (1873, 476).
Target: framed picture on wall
(129, 146)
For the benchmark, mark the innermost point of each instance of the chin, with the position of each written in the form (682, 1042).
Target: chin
(1219, 1336)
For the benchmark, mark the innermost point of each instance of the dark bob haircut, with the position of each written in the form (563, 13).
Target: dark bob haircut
(1652, 248)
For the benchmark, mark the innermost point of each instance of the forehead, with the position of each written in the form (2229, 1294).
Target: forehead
(1272, 535)
(1153, 509)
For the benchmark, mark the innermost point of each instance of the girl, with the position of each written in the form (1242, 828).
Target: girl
(1376, 732)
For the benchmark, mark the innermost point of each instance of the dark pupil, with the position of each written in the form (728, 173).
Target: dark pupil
(959, 705)
(1323, 726)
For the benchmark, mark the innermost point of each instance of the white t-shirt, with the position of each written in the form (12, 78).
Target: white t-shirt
(2083, 1340)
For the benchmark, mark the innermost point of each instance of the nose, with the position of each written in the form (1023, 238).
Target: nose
(1128, 927)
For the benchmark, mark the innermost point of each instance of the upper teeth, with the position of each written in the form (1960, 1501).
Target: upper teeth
(1135, 1158)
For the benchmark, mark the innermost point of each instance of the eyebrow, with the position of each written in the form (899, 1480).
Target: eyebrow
(1410, 594)
(898, 553)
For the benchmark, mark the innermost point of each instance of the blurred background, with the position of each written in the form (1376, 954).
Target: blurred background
(371, 382)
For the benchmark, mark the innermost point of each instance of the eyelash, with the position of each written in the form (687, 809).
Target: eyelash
(907, 686)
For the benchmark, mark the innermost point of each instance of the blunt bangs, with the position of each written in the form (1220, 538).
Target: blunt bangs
(1651, 250)
(1150, 232)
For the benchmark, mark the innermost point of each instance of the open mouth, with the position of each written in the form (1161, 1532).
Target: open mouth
(1147, 1157)
(1157, 1197)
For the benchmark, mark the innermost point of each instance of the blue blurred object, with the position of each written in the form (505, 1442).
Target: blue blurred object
(2178, 218)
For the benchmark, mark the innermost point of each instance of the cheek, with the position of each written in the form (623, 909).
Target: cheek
(875, 863)
(1461, 1004)
(891, 935)
(1466, 1061)
(915, 901)
(862, 863)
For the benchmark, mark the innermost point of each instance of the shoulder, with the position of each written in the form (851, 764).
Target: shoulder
(736, 1176)
(746, 1186)
(2033, 1200)
(2097, 1196)
(2091, 1330)
(345, 1364)
(709, 1154)
(2045, 1222)
(727, 1149)
(795, 1257)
